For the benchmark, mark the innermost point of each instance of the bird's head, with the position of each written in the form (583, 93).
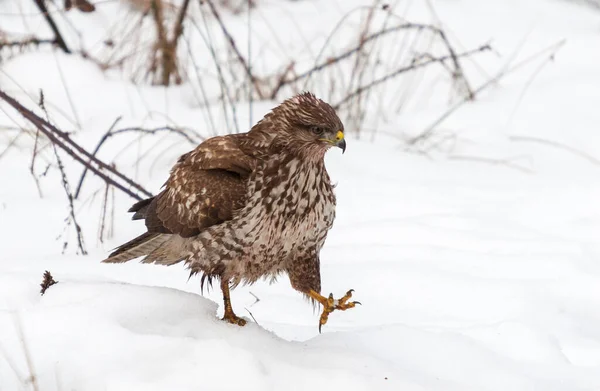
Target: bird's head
(304, 124)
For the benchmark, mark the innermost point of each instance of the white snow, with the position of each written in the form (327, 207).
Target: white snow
(473, 275)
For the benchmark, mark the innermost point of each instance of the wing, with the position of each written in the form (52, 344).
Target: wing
(205, 187)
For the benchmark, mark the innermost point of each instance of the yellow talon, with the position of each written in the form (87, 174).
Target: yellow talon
(330, 304)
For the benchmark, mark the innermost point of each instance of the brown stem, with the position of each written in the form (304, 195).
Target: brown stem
(178, 30)
(63, 141)
(57, 36)
(408, 68)
(241, 58)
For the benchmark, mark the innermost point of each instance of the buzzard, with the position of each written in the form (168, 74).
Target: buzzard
(250, 205)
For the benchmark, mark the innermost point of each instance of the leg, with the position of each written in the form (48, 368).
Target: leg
(305, 276)
(229, 316)
(330, 304)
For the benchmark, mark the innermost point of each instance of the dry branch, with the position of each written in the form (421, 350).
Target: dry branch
(592, 159)
(241, 59)
(365, 39)
(165, 48)
(62, 140)
(26, 42)
(110, 133)
(551, 50)
(57, 36)
(408, 68)
(72, 217)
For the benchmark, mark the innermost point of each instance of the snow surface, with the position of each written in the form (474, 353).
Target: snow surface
(473, 276)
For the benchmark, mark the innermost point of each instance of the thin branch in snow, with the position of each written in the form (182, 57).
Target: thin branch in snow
(32, 165)
(253, 318)
(65, 85)
(32, 378)
(73, 218)
(164, 59)
(63, 141)
(85, 169)
(417, 64)
(111, 132)
(57, 35)
(552, 50)
(11, 143)
(107, 218)
(235, 49)
(103, 214)
(21, 44)
(256, 297)
(555, 144)
(501, 162)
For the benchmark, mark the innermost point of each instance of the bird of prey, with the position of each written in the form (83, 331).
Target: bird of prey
(249, 205)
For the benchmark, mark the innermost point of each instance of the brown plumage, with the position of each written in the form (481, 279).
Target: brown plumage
(245, 206)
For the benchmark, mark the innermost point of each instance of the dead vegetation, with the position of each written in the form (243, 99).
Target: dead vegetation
(47, 282)
(191, 41)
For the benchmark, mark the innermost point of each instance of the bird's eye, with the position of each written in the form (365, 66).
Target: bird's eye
(316, 130)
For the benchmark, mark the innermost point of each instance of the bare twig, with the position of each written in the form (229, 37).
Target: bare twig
(333, 60)
(495, 162)
(32, 378)
(162, 42)
(32, 165)
(226, 97)
(253, 318)
(178, 30)
(359, 68)
(237, 52)
(26, 42)
(103, 214)
(11, 143)
(63, 141)
(85, 169)
(282, 81)
(408, 68)
(110, 133)
(73, 218)
(552, 49)
(64, 83)
(57, 36)
(592, 159)
(256, 297)
(166, 49)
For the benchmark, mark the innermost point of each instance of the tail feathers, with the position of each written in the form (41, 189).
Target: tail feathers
(142, 245)
(140, 208)
(169, 252)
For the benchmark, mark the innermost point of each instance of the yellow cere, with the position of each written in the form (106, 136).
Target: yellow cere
(339, 136)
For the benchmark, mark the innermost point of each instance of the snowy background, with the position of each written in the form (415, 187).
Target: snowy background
(476, 255)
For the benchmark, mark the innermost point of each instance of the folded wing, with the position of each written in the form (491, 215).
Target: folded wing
(205, 187)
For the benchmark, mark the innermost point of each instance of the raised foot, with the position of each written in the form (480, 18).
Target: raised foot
(234, 319)
(330, 304)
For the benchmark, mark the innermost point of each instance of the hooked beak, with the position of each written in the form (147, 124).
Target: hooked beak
(339, 141)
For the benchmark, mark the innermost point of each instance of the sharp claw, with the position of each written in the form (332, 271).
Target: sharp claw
(330, 305)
